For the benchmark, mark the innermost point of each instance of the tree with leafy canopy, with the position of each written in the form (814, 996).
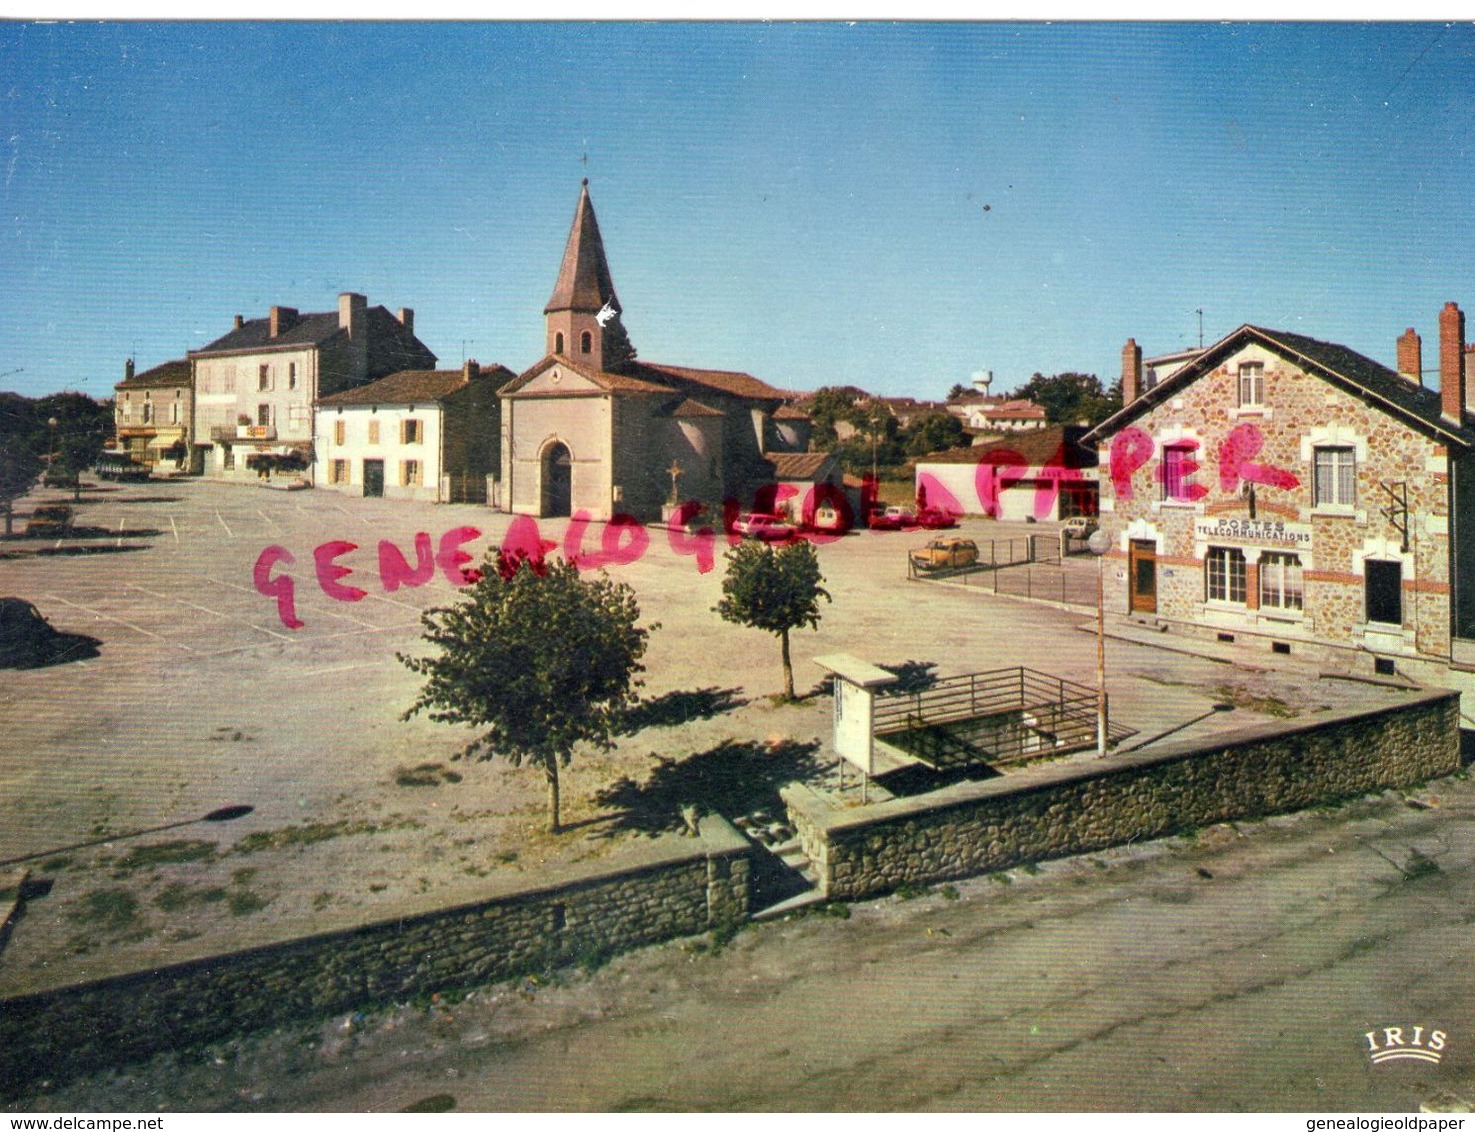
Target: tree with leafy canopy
(538, 657)
(20, 461)
(934, 432)
(775, 589)
(1070, 398)
(957, 393)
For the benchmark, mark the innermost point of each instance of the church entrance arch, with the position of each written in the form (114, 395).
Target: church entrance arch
(557, 500)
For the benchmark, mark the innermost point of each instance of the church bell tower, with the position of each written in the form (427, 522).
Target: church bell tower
(583, 316)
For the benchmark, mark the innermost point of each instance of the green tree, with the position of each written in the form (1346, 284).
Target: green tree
(538, 657)
(81, 430)
(957, 392)
(773, 589)
(1069, 398)
(19, 467)
(933, 432)
(20, 461)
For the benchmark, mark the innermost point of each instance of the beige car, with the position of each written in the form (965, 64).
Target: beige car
(948, 553)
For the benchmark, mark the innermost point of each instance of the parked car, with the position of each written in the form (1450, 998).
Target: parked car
(936, 519)
(120, 466)
(1079, 526)
(948, 553)
(25, 636)
(51, 520)
(892, 519)
(763, 525)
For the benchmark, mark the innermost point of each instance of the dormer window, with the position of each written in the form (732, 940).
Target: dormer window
(586, 342)
(1251, 384)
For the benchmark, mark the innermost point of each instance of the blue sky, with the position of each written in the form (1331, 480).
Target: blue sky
(890, 206)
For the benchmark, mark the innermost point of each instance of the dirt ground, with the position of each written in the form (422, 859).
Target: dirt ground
(198, 697)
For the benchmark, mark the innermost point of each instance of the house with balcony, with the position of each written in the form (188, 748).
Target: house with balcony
(153, 412)
(1292, 496)
(255, 386)
(432, 435)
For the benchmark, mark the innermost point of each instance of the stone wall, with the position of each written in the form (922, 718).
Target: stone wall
(690, 886)
(1076, 807)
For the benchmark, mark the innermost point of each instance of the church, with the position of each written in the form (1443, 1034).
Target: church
(593, 428)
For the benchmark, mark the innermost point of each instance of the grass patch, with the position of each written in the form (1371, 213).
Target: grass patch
(838, 911)
(1264, 705)
(912, 891)
(1001, 878)
(167, 853)
(244, 902)
(426, 774)
(949, 892)
(177, 896)
(55, 864)
(309, 834)
(321, 901)
(108, 909)
(244, 876)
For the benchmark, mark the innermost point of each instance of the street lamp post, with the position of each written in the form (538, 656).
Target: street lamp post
(1098, 544)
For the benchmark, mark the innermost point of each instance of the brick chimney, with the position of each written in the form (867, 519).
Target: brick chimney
(128, 370)
(353, 312)
(282, 320)
(407, 319)
(1131, 371)
(1452, 362)
(240, 322)
(470, 369)
(1411, 356)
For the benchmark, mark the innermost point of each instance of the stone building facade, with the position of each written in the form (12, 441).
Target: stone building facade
(152, 413)
(255, 386)
(1292, 495)
(428, 435)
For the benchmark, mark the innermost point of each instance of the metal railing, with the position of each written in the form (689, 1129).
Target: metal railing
(1005, 715)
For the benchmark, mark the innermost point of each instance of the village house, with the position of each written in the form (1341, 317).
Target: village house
(152, 413)
(1291, 495)
(255, 386)
(590, 428)
(432, 435)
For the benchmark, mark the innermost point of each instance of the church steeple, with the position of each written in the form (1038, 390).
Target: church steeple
(581, 295)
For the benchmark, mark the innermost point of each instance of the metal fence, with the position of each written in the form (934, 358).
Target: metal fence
(1006, 715)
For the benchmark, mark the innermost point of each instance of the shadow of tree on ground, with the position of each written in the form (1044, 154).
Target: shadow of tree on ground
(911, 675)
(675, 708)
(730, 779)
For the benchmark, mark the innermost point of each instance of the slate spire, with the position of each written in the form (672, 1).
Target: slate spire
(584, 284)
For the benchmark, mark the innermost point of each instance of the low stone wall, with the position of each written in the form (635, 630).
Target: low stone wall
(1061, 809)
(681, 887)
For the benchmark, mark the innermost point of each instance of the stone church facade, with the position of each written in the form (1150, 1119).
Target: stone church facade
(591, 427)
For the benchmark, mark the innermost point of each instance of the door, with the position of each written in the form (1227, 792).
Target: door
(1384, 583)
(1142, 573)
(557, 482)
(374, 477)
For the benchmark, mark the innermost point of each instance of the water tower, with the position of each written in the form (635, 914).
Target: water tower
(982, 379)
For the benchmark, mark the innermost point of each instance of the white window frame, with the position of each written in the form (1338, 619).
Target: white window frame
(1342, 473)
(1282, 582)
(1250, 381)
(1224, 566)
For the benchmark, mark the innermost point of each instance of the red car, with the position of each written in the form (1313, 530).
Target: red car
(936, 519)
(764, 526)
(892, 519)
